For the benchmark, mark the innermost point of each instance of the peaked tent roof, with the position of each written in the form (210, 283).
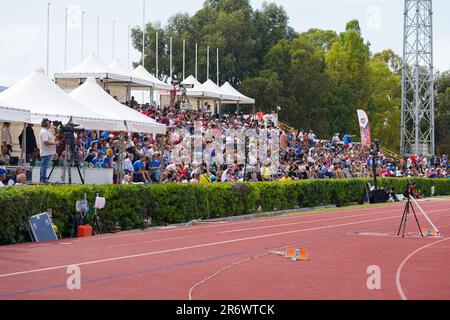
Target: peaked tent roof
(44, 99)
(8, 114)
(118, 67)
(199, 90)
(142, 73)
(92, 67)
(226, 87)
(95, 98)
(210, 85)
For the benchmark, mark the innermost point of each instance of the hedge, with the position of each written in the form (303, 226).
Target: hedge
(128, 207)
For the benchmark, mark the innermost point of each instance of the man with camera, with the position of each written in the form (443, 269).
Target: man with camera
(48, 147)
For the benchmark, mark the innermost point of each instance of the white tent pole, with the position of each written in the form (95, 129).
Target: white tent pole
(171, 58)
(207, 63)
(98, 37)
(157, 55)
(82, 35)
(184, 59)
(114, 40)
(65, 41)
(143, 33)
(196, 60)
(48, 37)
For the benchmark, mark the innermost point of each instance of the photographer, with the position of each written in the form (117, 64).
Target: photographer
(48, 147)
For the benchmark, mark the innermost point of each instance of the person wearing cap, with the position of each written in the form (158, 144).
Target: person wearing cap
(48, 145)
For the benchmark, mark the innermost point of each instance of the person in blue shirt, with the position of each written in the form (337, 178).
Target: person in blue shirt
(155, 165)
(139, 168)
(347, 140)
(98, 160)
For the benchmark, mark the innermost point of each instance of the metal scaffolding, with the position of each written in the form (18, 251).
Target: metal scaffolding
(417, 118)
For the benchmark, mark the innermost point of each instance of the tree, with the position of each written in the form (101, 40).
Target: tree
(443, 113)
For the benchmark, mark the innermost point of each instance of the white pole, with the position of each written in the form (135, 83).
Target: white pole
(207, 63)
(184, 59)
(143, 33)
(128, 38)
(157, 56)
(196, 60)
(98, 37)
(48, 36)
(82, 35)
(114, 40)
(65, 41)
(171, 59)
(218, 80)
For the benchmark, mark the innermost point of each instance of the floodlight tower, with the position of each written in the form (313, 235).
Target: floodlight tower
(417, 118)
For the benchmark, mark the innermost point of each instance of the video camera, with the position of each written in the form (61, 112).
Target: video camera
(67, 135)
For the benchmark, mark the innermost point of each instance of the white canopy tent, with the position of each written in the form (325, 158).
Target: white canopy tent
(115, 78)
(92, 67)
(8, 114)
(135, 80)
(242, 99)
(142, 73)
(224, 96)
(43, 99)
(199, 90)
(95, 98)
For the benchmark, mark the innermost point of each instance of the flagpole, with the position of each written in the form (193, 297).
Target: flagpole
(196, 60)
(128, 38)
(98, 37)
(65, 41)
(184, 59)
(157, 56)
(218, 72)
(143, 33)
(114, 40)
(207, 63)
(82, 35)
(171, 59)
(48, 36)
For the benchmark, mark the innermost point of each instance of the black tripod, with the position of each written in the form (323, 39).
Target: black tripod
(409, 206)
(67, 164)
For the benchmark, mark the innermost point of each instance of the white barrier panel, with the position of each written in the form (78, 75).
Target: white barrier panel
(90, 175)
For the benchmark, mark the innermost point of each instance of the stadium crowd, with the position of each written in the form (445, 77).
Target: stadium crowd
(150, 159)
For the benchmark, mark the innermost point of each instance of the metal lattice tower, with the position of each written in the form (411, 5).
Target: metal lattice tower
(417, 119)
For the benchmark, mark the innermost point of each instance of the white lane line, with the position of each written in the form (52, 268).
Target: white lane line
(306, 222)
(258, 220)
(399, 270)
(242, 230)
(152, 253)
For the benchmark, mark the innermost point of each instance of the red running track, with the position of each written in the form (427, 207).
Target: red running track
(232, 261)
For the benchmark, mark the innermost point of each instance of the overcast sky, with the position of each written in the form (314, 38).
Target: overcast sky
(23, 27)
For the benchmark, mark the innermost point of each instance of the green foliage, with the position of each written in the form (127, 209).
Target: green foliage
(319, 78)
(129, 206)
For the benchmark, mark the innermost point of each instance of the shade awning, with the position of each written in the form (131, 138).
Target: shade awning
(228, 89)
(198, 90)
(37, 94)
(224, 96)
(142, 73)
(91, 95)
(8, 114)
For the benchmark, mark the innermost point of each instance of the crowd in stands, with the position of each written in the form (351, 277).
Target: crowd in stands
(149, 158)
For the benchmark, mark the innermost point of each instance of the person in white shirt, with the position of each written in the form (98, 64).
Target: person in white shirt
(6, 136)
(48, 147)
